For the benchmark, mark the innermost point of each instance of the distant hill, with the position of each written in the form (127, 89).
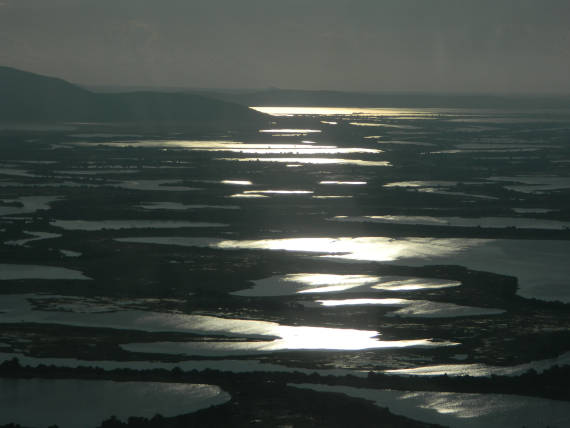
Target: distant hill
(287, 97)
(30, 97)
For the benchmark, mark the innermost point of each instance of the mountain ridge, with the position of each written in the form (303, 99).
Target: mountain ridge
(27, 96)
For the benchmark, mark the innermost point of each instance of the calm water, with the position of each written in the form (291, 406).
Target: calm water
(458, 410)
(83, 403)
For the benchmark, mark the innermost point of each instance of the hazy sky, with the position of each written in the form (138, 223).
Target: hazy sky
(410, 45)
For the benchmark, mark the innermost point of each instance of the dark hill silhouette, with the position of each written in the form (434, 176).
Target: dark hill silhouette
(30, 97)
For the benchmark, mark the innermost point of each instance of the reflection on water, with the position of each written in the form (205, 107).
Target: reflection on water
(419, 183)
(238, 182)
(394, 283)
(343, 182)
(486, 222)
(37, 236)
(341, 111)
(289, 339)
(290, 131)
(403, 143)
(248, 195)
(26, 204)
(541, 266)
(463, 410)
(383, 125)
(238, 147)
(231, 365)
(176, 206)
(319, 161)
(416, 308)
(258, 336)
(16, 272)
(284, 285)
(533, 183)
(154, 185)
(279, 192)
(483, 369)
(358, 302)
(532, 210)
(129, 224)
(363, 248)
(81, 403)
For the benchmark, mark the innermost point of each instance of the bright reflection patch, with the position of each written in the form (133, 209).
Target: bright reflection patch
(341, 111)
(238, 182)
(352, 302)
(318, 161)
(283, 285)
(290, 131)
(285, 192)
(344, 182)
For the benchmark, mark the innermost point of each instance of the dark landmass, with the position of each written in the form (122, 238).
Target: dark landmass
(293, 97)
(29, 97)
(331, 98)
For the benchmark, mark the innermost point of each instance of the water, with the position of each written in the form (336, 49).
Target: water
(417, 308)
(154, 185)
(485, 222)
(177, 206)
(27, 204)
(10, 272)
(540, 265)
(315, 161)
(461, 410)
(37, 236)
(483, 369)
(257, 336)
(95, 225)
(286, 285)
(74, 403)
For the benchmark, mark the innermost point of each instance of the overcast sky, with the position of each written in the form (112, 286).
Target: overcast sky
(518, 46)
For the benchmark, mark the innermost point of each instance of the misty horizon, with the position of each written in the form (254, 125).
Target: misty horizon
(505, 47)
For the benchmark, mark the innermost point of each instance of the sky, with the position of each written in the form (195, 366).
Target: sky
(450, 46)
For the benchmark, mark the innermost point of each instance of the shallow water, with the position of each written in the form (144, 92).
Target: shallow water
(344, 182)
(343, 111)
(83, 403)
(286, 285)
(483, 369)
(129, 224)
(154, 185)
(12, 272)
(461, 410)
(417, 308)
(257, 336)
(540, 265)
(485, 222)
(177, 206)
(37, 236)
(238, 147)
(28, 204)
(234, 366)
(532, 183)
(317, 161)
